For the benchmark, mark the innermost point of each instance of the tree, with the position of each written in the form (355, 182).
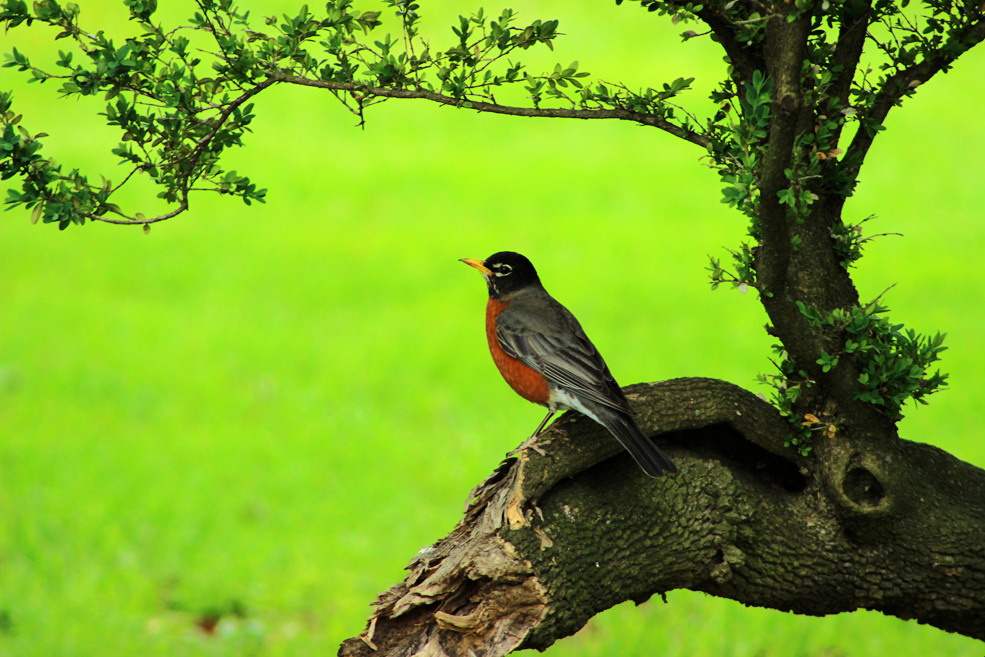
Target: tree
(812, 503)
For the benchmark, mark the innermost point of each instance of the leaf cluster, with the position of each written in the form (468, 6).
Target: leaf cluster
(894, 362)
(175, 120)
(894, 365)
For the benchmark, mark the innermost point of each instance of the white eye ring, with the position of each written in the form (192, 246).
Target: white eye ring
(503, 269)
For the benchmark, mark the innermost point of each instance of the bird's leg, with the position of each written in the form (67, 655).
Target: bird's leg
(543, 423)
(531, 442)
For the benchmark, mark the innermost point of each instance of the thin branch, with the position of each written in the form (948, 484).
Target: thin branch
(195, 153)
(495, 108)
(848, 52)
(181, 207)
(904, 81)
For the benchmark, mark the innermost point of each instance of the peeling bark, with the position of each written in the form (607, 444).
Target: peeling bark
(548, 542)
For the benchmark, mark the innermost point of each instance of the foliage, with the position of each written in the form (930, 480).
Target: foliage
(180, 103)
(738, 152)
(894, 363)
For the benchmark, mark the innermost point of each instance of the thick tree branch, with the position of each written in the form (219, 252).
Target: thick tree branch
(786, 48)
(547, 542)
(496, 108)
(795, 263)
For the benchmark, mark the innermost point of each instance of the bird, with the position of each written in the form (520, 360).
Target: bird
(545, 356)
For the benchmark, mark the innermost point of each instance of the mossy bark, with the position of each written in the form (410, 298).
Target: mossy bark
(549, 541)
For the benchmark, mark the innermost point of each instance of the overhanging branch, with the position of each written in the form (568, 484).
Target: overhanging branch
(495, 108)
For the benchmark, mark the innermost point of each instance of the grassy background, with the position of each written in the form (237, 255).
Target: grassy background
(264, 412)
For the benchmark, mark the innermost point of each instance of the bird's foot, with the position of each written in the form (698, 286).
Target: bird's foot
(529, 443)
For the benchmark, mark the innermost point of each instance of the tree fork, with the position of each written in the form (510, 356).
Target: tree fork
(548, 542)
(795, 261)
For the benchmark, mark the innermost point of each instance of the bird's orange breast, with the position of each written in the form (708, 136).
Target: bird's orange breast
(526, 382)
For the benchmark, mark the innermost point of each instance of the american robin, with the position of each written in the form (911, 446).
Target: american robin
(544, 355)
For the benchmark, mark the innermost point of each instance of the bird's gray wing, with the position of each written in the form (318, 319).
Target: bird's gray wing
(552, 342)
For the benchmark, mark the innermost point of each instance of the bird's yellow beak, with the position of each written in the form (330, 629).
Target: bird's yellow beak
(478, 264)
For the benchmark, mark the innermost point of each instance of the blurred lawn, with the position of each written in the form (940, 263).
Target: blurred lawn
(264, 412)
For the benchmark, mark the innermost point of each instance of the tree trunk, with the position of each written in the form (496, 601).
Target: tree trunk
(548, 542)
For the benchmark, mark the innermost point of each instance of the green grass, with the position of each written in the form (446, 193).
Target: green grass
(266, 411)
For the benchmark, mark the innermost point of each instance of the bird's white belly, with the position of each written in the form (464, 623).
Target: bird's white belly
(564, 401)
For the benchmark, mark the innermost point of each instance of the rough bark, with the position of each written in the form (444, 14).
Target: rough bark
(548, 542)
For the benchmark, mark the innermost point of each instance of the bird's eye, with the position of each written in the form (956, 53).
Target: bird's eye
(502, 269)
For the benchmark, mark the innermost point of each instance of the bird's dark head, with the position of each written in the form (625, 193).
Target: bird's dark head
(505, 272)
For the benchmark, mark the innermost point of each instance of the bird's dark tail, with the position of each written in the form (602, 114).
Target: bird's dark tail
(653, 461)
